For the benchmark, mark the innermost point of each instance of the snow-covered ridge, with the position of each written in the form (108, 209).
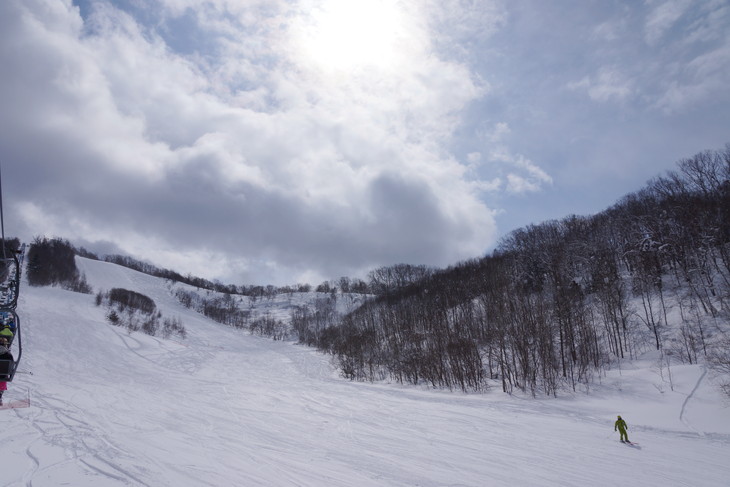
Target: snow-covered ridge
(279, 306)
(224, 408)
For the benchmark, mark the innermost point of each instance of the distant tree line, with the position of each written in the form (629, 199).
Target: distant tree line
(270, 327)
(311, 322)
(381, 280)
(226, 309)
(221, 308)
(11, 245)
(559, 302)
(51, 262)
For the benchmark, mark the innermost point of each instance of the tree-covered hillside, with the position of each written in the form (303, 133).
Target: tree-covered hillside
(553, 306)
(559, 302)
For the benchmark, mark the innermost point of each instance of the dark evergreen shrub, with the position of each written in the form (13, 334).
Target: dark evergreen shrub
(51, 261)
(125, 298)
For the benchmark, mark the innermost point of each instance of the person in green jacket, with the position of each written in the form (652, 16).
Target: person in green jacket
(7, 332)
(621, 427)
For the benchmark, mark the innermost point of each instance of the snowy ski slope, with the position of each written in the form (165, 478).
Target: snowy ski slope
(223, 408)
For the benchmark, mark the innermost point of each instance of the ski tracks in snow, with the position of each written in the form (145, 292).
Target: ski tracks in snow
(166, 354)
(63, 441)
(683, 411)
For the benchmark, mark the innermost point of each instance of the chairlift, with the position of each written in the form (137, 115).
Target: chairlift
(9, 321)
(10, 279)
(10, 266)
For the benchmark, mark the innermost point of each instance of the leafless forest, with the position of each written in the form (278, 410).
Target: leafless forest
(557, 302)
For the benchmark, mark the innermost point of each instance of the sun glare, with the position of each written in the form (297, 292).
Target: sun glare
(349, 34)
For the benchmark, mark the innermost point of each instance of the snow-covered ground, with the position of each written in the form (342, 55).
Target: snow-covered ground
(223, 408)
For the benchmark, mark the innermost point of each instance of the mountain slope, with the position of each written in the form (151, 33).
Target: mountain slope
(224, 408)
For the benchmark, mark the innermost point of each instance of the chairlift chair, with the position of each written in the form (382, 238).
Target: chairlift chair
(10, 280)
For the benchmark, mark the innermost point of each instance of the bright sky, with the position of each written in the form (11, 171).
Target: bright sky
(272, 141)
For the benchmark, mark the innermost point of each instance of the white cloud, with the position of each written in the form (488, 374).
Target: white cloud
(703, 78)
(501, 130)
(610, 30)
(609, 84)
(516, 173)
(240, 153)
(684, 61)
(519, 185)
(178, 127)
(662, 17)
(531, 179)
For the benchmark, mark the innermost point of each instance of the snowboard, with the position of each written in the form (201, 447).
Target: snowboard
(22, 403)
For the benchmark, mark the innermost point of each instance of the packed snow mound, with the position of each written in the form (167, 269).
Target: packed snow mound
(223, 408)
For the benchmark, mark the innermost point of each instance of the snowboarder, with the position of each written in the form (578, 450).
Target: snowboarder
(4, 355)
(621, 426)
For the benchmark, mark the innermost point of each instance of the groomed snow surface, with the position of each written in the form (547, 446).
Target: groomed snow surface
(224, 408)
